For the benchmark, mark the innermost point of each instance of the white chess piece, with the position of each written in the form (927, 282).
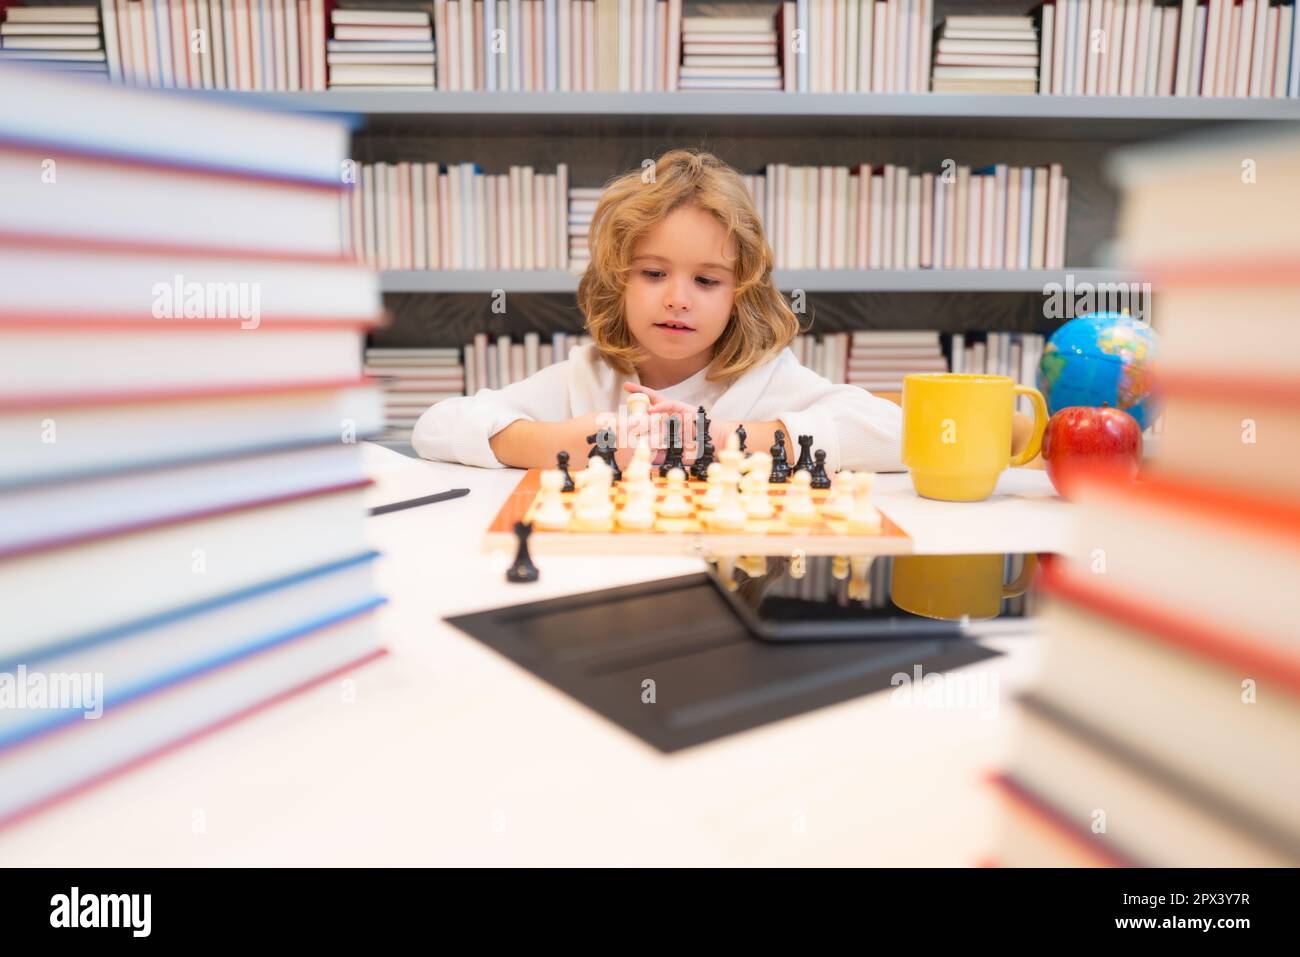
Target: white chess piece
(637, 472)
(757, 502)
(864, 519)
(729, 514)
(840, 502)
(551, 513)
(799, 506)
(675, 503)
(716, 477)
(593, 506)
(638, 510)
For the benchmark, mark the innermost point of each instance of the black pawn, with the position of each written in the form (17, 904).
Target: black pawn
(673, 458)
(741, 433)
(780, 464)
(819, 477)
(700, 469)
(604, 447)
(523, 570)
(562, 463)
(702, 436)
(805, 460)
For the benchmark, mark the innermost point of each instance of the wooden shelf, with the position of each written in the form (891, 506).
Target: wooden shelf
(1022, 117)
(810, 280)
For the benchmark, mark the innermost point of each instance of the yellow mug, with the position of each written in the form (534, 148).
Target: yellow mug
(957, 432)
(952, 587)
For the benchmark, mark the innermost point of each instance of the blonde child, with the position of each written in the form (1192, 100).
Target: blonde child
(680, 305)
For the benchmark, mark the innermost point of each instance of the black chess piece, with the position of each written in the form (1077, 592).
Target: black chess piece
(742, 434)
(562, 463)
(604, 447)
(780, 464)
(702, 425)
(523, 570)
(700, 470)
(805, 460)
(819, 477)
(673, 456)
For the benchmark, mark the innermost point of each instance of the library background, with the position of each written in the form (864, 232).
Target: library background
(944, 184)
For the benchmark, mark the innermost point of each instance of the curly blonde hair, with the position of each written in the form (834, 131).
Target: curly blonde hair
(761, 323)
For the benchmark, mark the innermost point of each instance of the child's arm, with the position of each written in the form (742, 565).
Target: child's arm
(522, 425)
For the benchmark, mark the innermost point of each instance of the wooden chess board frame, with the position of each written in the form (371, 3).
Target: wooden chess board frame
(689, 535)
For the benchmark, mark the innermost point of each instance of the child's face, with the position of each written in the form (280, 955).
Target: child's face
(682, 286)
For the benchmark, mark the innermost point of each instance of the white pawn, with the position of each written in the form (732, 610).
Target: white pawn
(840, 502)
(593, 507)
(638, 511)
(717, 474)
(551, 514)
(729, 513)
(675, 503)
(637, 473)
(799, 506)
(757, 501)
(864, 519)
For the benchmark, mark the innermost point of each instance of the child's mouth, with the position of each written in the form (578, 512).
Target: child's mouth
(675, 327)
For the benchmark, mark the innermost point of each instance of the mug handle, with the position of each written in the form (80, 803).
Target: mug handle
(1040, 424)
(1021, 584)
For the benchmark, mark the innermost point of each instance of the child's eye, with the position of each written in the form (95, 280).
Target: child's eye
(706, 281)
(652, 273)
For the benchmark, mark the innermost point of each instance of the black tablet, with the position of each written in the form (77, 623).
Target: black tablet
(809, 598)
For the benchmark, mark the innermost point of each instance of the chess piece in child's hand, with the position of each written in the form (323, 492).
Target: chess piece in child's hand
(659, 410)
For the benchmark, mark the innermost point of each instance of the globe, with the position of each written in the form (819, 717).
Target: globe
(1102, 359)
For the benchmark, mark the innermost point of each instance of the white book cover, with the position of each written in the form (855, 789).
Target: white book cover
(1070, 9)
(1284, 55)
(939, 230)
(1260, 36)
(108, 21)
(961, 210)
(1061, 19)
(292, 72)
(1115, 46)
(825, 198)
(1011, 235)
(927, 221)
(528, 203)
(1222, 79)
(151, 51)
(1183, 70)
(1083, 42)
(1200, 30)
(1210, 59)
(243, 40)
(1038, 251)
(875, 232)
(1025, 253)
(1293, 83)
(1142, 46)
(1093, 47)
(1053, 211)
(1128, 56)
(999, 214)
(913, 253)
(880, 51)
(866, 44)
(1239, 43)
(989, 215)
(1167, 75)
(419, 228)
(1046, 45)
(974, 221)
(1062, 223)
(887, 224)
(1154, 35)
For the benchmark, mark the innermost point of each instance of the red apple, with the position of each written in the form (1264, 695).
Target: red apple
(1083, 439)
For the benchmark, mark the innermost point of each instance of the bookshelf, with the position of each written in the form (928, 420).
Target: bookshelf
(810, 280)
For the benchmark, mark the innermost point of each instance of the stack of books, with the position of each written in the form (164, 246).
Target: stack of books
(64, 39)
(182, 403)
(413, 380)
(1014, 354)
(381, 48)
(424, 216)
(551, 44)
(986, 54)
(887, 217)
(247, 44)
(878, 360)
(1162, 730)
(649, 34)
(582, 207)
(729, 53)
(1188, 48)
(856, 46)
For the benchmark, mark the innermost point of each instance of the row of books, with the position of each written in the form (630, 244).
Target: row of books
(1247, 48)
(856, 46)
(216, 44)
(380, 48)
(888, 217)
(1161, 730)
(726, 53)
(986, 54)
(407, 216)
(64, 39)
(182, 536)
(412, 380)
(424, 216)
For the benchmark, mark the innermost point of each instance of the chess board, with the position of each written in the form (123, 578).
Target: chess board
(691, 535)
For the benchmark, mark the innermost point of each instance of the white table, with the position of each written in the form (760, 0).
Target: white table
(446, 753)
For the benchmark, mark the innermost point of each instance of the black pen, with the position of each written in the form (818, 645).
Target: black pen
(413, 502)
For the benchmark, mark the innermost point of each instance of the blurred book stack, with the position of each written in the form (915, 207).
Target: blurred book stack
(729, 53)
(1162, 730)
(424, 216)
(380, 48)
(496, 363)
(413, 380)
(986, 54)
(181, 406)
(551, 44)
(878, 360)
(582, 207)
(64, 39)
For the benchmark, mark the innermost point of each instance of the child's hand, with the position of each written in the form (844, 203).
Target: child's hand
(666, 407)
